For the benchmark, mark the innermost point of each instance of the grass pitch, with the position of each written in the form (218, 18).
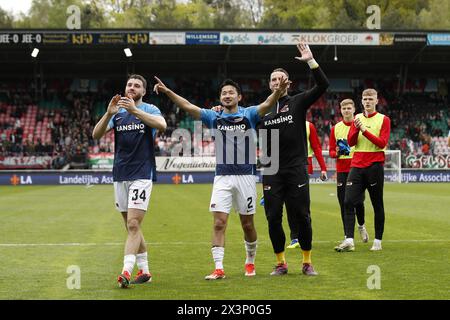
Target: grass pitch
(46, 229)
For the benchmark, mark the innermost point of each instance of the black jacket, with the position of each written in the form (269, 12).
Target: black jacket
(289, 117)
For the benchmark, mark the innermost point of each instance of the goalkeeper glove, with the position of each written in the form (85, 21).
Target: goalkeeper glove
(344, 148)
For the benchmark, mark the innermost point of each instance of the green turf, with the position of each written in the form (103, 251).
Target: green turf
(178, 229)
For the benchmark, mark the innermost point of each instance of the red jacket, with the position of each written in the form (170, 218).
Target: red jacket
(317, 149)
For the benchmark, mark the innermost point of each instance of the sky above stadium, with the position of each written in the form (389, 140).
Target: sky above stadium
(16, 6)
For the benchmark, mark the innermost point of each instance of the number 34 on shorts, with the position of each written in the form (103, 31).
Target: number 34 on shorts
(132, 194)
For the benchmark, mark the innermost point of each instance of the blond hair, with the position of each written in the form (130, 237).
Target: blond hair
(346, 102)
(369, 92)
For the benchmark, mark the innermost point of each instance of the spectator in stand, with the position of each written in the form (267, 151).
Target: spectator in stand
(39, 148)
(28, 148)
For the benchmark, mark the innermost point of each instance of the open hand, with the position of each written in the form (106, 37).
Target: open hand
(305, 52)
(112, 107)
(284, 84)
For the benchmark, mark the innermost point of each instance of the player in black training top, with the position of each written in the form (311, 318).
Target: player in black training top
(290, 185)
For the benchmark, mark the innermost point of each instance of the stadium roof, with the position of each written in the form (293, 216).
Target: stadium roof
(94, 52)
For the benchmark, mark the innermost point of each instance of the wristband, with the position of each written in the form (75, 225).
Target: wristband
(312, 64)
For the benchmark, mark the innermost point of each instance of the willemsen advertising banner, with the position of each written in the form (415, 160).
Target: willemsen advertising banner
(88, 178)
(202, 37)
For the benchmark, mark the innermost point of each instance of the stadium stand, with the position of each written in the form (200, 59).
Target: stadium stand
(60, 124)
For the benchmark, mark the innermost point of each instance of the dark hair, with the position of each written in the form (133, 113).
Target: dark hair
(139, 77)
(281, 70)
(229, 82)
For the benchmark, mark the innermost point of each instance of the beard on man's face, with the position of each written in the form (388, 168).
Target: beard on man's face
(134, 95)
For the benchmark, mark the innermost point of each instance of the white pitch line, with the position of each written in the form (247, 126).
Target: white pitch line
(92, 244)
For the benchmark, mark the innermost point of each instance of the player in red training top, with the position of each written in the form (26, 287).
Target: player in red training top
(340, 150)
(369, 133)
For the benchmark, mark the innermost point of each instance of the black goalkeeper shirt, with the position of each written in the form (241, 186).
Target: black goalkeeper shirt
(289, 117)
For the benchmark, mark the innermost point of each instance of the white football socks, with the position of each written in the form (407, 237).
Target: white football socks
(142, 262)
(128, 263)
(250, 248)
(218, 254)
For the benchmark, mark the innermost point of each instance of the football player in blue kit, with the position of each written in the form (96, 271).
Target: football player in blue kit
(135, 124)
(235, 181)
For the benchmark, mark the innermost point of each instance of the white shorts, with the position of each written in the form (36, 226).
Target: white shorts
(238, 191)
(132, 194)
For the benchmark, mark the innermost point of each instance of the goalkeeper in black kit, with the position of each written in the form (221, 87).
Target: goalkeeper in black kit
(290, 185)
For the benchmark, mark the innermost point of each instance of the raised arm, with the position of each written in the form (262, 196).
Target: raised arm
(102, 125)
(322, 83)
(184, 104)
(271, 100)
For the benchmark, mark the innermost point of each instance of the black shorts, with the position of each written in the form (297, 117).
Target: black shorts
(288, 183)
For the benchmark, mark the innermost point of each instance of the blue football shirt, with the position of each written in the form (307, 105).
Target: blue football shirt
(134, 155)
(235, 139)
